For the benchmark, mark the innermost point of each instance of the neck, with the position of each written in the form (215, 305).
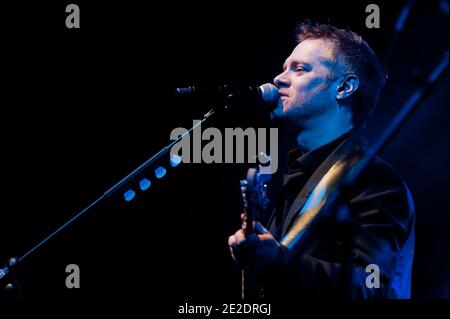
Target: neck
(322, 130)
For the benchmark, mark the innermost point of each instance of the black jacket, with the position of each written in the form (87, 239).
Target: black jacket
(383, 219)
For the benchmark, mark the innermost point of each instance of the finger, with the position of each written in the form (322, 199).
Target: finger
(244, 217)
(232, 241)
(263, 237)
(232, 254)
(240, 237)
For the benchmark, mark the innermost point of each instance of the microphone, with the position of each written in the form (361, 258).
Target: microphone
(266, 95)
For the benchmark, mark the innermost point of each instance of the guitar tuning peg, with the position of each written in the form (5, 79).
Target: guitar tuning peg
(243, 182)
(264, 158)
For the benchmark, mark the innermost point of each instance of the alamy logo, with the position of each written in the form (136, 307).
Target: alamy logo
(225, 150)
(73, 279)
(73, 19)
(373, 19)
(373, 279)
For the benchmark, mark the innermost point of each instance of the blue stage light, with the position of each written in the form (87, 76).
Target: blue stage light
(129, 195)
(175, 160)
(144, 184)
(160, 172)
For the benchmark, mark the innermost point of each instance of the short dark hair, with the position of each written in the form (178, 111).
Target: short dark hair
(354, 56)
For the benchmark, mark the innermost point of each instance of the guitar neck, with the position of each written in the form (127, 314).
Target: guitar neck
(251, 213)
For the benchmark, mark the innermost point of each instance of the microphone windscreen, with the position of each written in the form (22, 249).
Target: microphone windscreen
(269, 94)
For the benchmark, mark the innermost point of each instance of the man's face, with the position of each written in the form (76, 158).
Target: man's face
(306, 88)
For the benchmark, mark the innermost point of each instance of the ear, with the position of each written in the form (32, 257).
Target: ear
(349, 84)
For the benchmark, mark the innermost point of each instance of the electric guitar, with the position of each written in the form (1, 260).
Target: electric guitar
(255, 200)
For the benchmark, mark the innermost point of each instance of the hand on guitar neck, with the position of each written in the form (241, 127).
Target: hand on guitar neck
(253, 247)
(258, 250)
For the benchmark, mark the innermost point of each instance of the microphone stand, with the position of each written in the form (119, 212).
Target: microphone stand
(6, 272)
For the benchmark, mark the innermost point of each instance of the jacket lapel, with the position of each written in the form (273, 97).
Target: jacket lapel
(348, 146)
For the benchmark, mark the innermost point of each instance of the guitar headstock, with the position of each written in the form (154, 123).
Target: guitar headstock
(255, 199)
(254, 188)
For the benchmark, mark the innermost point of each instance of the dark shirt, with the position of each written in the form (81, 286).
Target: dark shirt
(382, 212)
(299, 169)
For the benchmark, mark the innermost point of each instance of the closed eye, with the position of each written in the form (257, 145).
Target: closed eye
(301, 68)
(297, 68)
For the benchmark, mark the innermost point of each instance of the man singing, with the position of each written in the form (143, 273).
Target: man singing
(329, 86)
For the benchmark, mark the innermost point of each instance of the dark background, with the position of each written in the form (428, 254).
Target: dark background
(82, 108)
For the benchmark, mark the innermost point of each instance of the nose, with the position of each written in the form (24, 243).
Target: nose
(282, 80)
